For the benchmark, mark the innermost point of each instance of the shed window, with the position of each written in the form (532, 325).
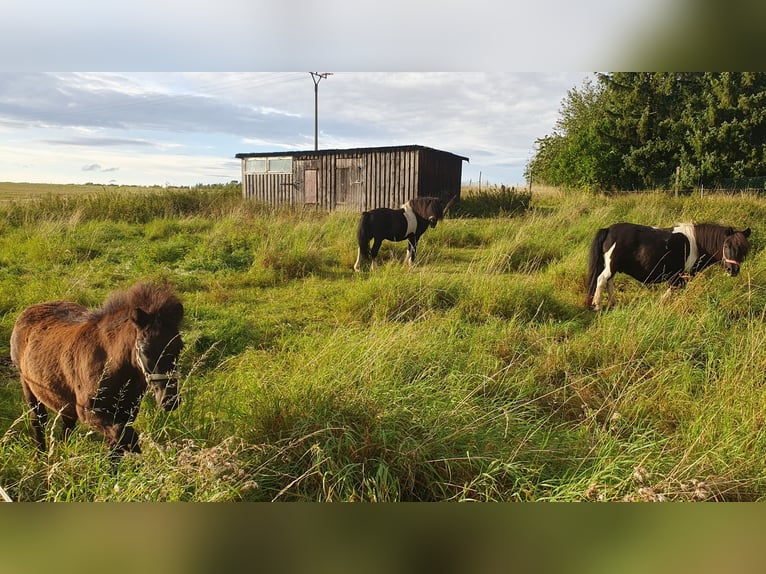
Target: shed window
(269, 165)
(281, 165)
(256, 165)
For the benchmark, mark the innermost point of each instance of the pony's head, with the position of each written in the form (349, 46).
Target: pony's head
(735, 248)
(430, 208)
(158, 343)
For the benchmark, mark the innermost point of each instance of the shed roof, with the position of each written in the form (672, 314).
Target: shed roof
(349, 150)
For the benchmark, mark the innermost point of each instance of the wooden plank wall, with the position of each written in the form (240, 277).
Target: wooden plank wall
(388, 178)
(273, 189)
(441, 175)
(325, 177)
(391, 178)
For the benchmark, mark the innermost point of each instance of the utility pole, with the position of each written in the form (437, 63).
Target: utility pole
(317, 77)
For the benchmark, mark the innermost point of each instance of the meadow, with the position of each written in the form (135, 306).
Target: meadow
(478, 374)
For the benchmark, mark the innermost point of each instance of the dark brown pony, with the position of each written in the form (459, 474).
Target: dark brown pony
(409, 222)
(96, 364)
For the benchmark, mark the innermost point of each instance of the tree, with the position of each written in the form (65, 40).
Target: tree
(642, 109)
(576, 154)
(727, 128)
(634, 130)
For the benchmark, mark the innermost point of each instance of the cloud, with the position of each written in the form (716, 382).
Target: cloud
(144, 121)
(87, 141)
(156, 102)
(98, 168)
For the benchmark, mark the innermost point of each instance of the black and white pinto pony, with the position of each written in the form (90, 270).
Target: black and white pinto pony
(409, 222)
(656, 255)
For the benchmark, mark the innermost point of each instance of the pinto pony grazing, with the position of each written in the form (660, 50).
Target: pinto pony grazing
(409, 222)
(95, 365)
(653, 255)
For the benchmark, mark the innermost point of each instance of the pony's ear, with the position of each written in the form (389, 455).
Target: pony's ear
(746, 232)
(450, 202)
(141, 318)
(174, 313)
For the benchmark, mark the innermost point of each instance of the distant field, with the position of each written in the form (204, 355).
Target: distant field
(17, 191)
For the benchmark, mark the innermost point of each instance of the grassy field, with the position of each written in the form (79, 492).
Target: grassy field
(476, 375)
(10, 191)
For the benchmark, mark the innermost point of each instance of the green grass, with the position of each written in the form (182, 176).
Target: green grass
(475, 375)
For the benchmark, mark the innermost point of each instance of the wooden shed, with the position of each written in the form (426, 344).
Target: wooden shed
(351, 179)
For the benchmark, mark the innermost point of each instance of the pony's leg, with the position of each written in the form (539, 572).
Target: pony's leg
(119, 435)
(121, 438)
(676, 282)
(376, 243)
(128, 439)
(39, 415)
(412, 247)
(69, 424)
(363, 255)
(605, 280)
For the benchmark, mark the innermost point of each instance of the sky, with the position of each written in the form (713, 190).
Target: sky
(184, 128)
(161, 121)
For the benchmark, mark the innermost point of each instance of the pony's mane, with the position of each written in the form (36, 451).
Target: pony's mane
(713, 234)
(150, 297)
(689, 230)
(421, 205)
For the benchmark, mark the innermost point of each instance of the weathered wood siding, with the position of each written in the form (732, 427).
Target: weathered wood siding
(440, 175)
(357, 180)
(274, 189)
(391, 178)
(340, 179)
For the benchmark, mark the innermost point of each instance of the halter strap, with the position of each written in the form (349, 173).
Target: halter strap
(151, 377)
(725, 259)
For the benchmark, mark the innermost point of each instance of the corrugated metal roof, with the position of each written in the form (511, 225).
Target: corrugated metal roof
(349, 150)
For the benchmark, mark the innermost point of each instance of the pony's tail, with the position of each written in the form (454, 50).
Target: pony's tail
(595, 263)
(362, 238)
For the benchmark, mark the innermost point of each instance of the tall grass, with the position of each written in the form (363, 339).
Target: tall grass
(475, 375)
(491, 201)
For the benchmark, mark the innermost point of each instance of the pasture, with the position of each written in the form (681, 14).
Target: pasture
(476, 375)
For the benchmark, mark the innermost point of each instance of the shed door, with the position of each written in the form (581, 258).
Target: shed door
(310, 186)
(349, 185)
(342, 185)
